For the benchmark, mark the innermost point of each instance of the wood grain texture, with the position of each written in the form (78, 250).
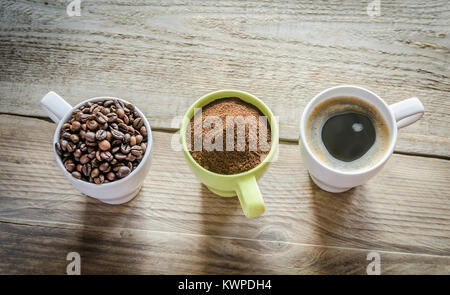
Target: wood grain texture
(42, 249)
(405, 208)
(163, 55)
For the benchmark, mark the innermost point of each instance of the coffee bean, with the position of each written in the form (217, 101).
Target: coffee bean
(92, 124)
(124, 148)
(77, 153)
(76, 174)
(74, 138)
(75, 126)
(137, 123)
(136, 150)
(123, 171)
(65, 127)
(103, 167)
(102, 141)
(111, 176)
(84, 159)
(106, 156)
(133, 140)
(104, 145)
(100, 135)
(95, 172)
(120, 156)
(115, 149)
(90, 136)
(100, 179)
(120, 113)
(143, 131)
(107, 103)
(86, 169)
(70, 166)
(139, 139)
(117, 134)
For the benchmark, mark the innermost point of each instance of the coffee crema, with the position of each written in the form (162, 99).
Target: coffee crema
(347, 133)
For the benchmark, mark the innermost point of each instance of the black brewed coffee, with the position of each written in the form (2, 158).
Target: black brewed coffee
(347, 133)
(348, 136)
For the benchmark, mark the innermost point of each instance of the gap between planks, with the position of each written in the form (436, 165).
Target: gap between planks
(74, 226)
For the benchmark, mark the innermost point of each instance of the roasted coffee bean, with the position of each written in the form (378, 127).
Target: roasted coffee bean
(84, 159)
(66, 135)
(123, 171)
(86, 169)
(70, 165)
(104, 145)
(143, 147)
(98, 155)
(125, 148)
(112, 117)
(107, 103)
(111, 176)
(120, 113)
(76, 174)
(103, 141)
(90, 136)
(136, 150)
(123, 127)
(103, 167)
(116, 134)
(139, 139)
(65, 127)
(126, 138)
(115, 149)
(92, 124)
(133, 140)
(120, 156)
(137, 123)
(106, 156)
(75, 126)
(100, 179)
(95, 172)
(77, 153)
(143, 131)
(101, 135)
(74, 138)
(63, 143)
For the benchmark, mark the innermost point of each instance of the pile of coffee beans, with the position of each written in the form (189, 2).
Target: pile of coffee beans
(104, 141)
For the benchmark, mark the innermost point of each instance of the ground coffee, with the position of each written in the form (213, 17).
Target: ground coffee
(103, 141)
(240, 157)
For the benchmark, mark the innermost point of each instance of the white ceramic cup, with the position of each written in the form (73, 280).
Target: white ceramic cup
(397, 115)
(116, 192)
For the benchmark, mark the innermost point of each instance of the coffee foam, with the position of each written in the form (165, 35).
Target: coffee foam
(339, 105)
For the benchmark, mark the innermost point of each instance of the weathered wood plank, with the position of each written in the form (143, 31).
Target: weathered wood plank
(164, 55)
(405, 208)
(42, 249)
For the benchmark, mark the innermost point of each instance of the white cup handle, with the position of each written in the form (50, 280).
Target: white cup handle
(55, 106)
(407, 111)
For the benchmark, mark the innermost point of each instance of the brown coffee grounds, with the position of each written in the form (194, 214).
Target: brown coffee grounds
(236, 160)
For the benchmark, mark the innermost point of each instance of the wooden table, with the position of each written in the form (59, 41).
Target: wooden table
(162, 56)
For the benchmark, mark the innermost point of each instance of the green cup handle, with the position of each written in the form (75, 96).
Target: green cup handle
(250, 197)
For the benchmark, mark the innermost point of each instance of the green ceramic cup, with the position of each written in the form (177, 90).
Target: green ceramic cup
(244, 184)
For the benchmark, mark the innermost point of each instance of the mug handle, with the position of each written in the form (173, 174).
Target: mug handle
(407, 111)
(55, 106)
(250, 197)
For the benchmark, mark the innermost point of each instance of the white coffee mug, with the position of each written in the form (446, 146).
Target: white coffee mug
(398, 115)
(116, 192)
